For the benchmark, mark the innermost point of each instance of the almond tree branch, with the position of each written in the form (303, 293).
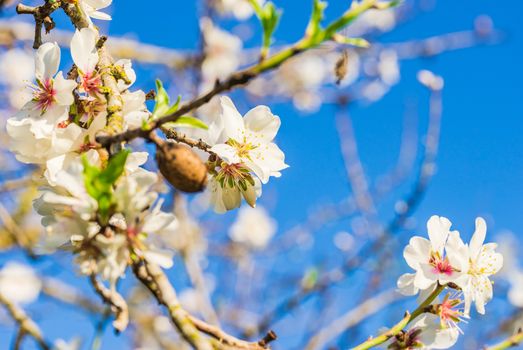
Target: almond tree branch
(189, 326)
(351, 318)
(244, 76)
(26, 324)
(422, 308)
(511, 342)
(115, 300)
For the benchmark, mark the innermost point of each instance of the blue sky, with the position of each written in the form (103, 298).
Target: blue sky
(480, 163)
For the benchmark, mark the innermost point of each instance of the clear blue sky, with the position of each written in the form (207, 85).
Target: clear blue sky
(480, 164)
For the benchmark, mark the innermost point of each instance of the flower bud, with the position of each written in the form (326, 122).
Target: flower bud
(181, 167)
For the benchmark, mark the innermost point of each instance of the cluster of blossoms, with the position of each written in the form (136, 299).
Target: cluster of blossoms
(105, 209)
(445, 260)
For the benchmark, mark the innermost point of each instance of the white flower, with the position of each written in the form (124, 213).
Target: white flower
(388, 67)
(229, 186)
(240, 9)
(253, 227)
(433, 335)
(85, 57)
(248, 140)
(222, 52)
(483, 262)
(19, 283)
(70, 216)
(74, 344)
(16, 69)
(41, 131)
(438, 260)
(91, 7)
(515, 293)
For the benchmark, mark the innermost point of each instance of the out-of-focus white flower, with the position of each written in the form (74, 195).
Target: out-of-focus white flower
(388, 67)
(16, 70)
(248, 140)
(222, 52)
(240, 9)
(19, 283)
(438, 260)
(483, 262)
(253, 228)
(372, 20)
(73, 344)
(430, 80)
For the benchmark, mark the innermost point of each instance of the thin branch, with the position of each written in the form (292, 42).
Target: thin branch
(115, 300)
(244, 76)
(189, 326)
(409, 317)
(352, 318)
(26, 324)
(510, 342)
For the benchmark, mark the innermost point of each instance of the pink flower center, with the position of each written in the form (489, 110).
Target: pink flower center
(44, 94)
(91, 82)
(441, 265)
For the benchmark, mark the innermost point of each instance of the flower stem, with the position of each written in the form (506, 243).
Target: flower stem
(398, 327)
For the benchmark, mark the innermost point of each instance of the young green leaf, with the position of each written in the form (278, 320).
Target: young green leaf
(162, 106)
(188, 121)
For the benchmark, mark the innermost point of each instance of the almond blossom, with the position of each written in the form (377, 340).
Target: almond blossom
(229, 185)
(483, 262)
(253, 228)
(91, 9)
(249, 139)
(70, 216)
(435, 261)
(222, 52)
(19, 283)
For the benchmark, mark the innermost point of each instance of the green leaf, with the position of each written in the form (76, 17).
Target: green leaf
(270, 18)
(115, 168)
(162, 106)
(387, 5)
(99, 183)
(161, 99)
(310, 278)
(188, 121)
(174, 107)
(314, 28)
(358, 42)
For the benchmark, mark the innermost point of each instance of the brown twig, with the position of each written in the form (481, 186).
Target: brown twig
(189, 326)
(115, 300)
(42, 17)
(26, 324)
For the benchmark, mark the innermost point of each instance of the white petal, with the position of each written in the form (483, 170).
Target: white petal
(263, 123)
(83, 50)
(163, 258)
(47, 61)
(438, 229)
(64, 90)
(232, 120)
(478, 238)
(417, 252)
(406, 284)
(227, 153)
